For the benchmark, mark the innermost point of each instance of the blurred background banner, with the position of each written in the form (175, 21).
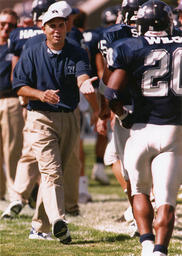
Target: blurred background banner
(92, 7)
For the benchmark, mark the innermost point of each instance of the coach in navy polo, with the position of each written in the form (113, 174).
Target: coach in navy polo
(50, 74)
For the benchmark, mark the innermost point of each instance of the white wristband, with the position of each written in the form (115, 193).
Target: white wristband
(102, 87)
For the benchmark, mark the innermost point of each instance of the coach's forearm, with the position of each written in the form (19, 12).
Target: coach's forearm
(29, 92)
(49, 96)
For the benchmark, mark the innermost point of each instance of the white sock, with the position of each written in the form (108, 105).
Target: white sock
(159, 254)
(147, 248)
(83, 184)
(128, 214)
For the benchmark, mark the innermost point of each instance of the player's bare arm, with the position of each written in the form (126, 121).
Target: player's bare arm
(116, 82)
(85, 84)
(104, 109)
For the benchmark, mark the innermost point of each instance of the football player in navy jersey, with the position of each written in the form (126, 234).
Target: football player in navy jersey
(92, 37)
(19, 36)
(115, 33)
(11, 119)
(76, 36)
(150, 67)
(177, 16)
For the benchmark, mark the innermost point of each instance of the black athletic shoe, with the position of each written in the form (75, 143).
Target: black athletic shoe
(61, 231)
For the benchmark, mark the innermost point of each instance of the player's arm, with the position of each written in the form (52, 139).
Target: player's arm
(104, 109)
(103, 76)
(116, 78)
(99, 61)
(116, 83)
(13, 64)
(87, 89)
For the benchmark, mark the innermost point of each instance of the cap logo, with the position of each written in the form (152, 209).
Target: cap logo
(54, 11)
(124, 3)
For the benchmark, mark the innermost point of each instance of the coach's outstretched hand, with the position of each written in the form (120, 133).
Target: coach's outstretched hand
(87, 87)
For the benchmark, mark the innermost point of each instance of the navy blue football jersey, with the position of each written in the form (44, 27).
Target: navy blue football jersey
(76, 36)
(111, 36)
(34, 40)
(114, 33)
(154, 66)
(5, 68)
(19, 36)
(91, 39)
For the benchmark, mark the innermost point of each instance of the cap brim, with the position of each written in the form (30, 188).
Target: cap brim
(47, 19)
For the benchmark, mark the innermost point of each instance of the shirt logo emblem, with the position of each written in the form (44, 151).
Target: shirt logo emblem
(71, 69)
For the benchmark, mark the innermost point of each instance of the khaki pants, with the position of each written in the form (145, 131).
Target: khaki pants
(2, 180)
(11, 126)
(27, 173)
(72, 173)
(53, 137)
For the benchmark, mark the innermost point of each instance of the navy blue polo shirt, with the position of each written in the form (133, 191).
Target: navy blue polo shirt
(41, 69)
(5, 68)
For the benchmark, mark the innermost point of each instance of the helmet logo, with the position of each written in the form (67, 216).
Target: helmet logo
(124, 3)
(36, 2)
(141, 13)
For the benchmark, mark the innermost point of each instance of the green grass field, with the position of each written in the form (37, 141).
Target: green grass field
(86, 240)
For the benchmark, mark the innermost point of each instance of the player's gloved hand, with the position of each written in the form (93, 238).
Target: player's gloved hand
(126, 119)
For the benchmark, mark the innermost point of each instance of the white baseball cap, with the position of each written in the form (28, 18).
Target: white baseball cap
(59, 9)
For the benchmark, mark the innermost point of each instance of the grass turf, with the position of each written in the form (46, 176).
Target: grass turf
(85, 240)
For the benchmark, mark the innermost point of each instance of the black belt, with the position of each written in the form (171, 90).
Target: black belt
(58, 110)
(65, 110)
(7, 94)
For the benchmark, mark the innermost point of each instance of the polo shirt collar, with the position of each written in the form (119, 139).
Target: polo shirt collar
(50, 53)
